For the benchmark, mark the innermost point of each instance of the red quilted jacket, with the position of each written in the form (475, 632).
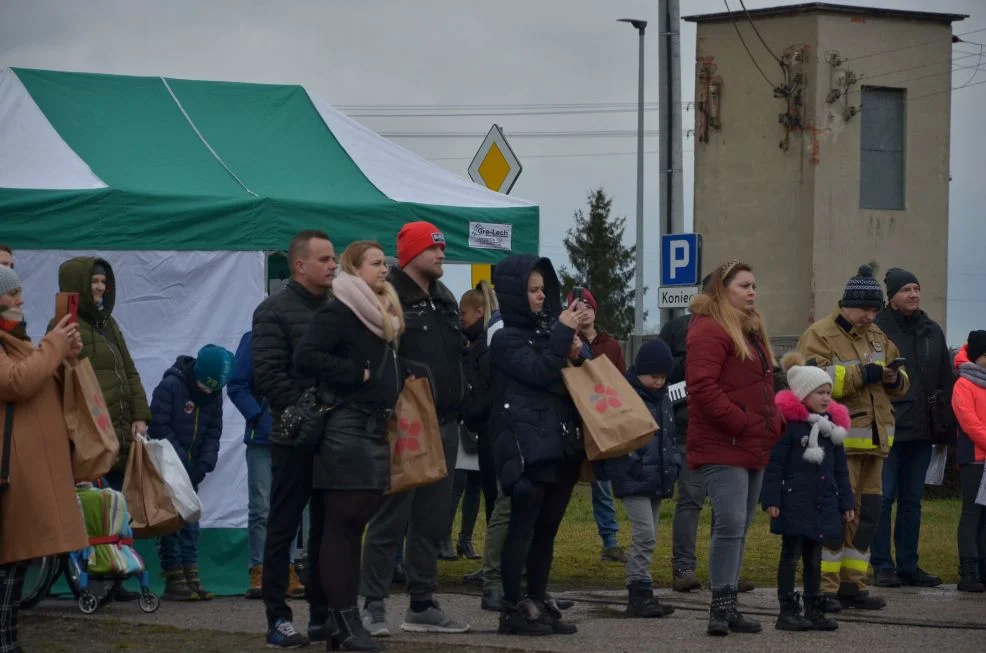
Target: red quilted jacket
(732, 419)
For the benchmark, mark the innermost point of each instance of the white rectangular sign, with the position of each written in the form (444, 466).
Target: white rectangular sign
(676, 296)
(490, 235)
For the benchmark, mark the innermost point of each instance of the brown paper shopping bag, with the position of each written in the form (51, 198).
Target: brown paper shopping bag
(417, 455)
(152, 511)
(90, 428)
(614, 417)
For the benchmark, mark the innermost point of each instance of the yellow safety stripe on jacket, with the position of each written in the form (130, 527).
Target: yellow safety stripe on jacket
(838, 375)
(831, 561)
(862, 438)
(855, 560)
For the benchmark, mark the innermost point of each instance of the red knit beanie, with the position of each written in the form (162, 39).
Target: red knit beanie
(586, 297)
(416, 237)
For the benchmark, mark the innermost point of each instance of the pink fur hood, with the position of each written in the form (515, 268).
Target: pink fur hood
(792, 410)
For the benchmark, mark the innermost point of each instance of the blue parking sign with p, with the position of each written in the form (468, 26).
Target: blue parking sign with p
(681, 256)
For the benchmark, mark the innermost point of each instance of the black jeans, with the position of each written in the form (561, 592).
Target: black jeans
(290, 492)
(347, 512)
(972, 522)
(466, 488)
(793, 549)
(530, 541)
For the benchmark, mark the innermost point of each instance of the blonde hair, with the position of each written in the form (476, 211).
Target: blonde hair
(389, 302)
(481, 296)
(714, 302)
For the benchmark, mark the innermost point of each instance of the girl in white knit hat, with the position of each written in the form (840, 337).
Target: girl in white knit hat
(806, 489)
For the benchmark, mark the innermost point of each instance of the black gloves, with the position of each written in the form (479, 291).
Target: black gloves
(872, 373)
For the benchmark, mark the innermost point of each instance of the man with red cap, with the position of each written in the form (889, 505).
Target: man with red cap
(432, 347)
(603, 510)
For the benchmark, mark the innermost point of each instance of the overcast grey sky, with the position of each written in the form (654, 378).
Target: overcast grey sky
(449, 52)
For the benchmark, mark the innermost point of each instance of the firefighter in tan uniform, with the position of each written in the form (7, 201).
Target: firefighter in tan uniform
(858, 357)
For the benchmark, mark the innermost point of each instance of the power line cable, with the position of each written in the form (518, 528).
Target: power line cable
(757, 32)
(976, 71)
(468, 107)
(949, 61)
(907, 47)
(550, 156)
(746, 47)
(615, 133)
(572, 112)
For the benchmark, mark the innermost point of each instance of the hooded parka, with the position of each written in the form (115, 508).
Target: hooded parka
(534, 423)
(104, 346)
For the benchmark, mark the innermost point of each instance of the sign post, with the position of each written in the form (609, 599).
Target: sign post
(681, 261)
(496, 167)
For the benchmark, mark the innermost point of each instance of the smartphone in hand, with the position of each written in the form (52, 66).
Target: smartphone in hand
(67, 303)
(896, 363)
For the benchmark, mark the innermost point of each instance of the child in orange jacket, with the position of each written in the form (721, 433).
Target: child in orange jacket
(969, 405)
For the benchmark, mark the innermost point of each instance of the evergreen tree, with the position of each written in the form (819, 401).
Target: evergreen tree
(603, 264)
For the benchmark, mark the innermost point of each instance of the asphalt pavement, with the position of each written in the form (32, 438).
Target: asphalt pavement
(914, 620)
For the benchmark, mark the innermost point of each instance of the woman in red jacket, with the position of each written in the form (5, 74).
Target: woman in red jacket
(732, 424)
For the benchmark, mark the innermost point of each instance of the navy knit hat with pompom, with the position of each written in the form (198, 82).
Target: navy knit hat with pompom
(863, 291)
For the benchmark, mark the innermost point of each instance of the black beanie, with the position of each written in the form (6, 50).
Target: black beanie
(976, 346)
(654, 357)
(98, 268)
(897, 278)
(863, 291)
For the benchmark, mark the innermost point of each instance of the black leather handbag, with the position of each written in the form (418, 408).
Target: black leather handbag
(304, 422)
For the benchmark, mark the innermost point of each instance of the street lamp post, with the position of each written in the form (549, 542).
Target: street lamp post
(638, 316)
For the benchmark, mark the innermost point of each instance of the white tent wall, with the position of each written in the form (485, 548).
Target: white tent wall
(169, 304)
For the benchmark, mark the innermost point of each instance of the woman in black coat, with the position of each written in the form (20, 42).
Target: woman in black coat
(351, 350)
(538, 444)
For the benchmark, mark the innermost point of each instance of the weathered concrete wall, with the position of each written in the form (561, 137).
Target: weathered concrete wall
(794, 214)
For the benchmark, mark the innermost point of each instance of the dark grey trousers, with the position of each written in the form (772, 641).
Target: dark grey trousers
(423, 514)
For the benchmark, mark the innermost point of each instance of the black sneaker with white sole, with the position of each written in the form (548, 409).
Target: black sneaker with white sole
(284, 635)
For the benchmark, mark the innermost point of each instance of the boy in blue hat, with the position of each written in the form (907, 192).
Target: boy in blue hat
(646, 477)
(187, 411)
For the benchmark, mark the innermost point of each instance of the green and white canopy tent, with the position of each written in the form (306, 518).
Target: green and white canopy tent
(184, 186)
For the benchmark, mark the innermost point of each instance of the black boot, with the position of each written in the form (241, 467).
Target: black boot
(969, 576)
(551, 616)
(815, 613)
(642, 604)
(521, 619)
(465, 550)
(719, 613)
(790, 617)
(446, 551)
(737, 622)
(862, 601)
(348, 633)
(830, 603)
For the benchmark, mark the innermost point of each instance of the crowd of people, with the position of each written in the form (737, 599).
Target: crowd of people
(825, 441)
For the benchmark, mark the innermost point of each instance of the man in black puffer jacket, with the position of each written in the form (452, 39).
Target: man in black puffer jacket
(432, 347)
(278, 324)
(922, 342)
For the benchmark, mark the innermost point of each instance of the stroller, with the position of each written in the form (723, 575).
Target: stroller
(110, 556)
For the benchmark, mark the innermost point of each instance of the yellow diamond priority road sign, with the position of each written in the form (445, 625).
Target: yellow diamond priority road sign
(495, 165)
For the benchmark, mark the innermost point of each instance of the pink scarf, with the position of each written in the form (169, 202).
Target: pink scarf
(361, 300)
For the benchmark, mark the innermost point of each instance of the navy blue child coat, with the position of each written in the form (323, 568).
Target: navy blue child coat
(812, 496)
(190, 419)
